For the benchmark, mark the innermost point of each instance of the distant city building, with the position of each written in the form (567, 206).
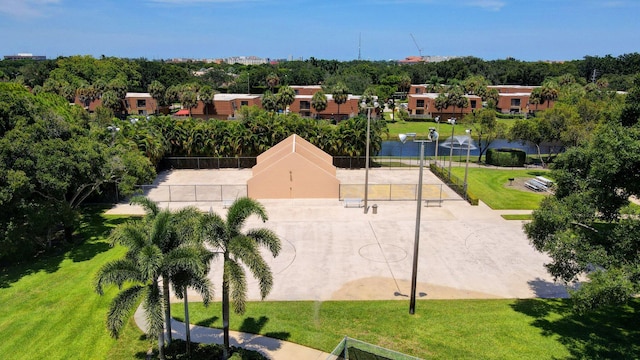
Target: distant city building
(25, 56)
(246, 60)
(418, 59)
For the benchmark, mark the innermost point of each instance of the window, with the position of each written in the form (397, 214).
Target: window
(515, 102)
(305, 105)
(420, 103)
(244, 103)
(141, 103)
(473, 104)
(418, 91)
(142, 112)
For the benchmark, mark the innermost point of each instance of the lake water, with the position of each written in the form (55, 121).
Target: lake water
(397, 148)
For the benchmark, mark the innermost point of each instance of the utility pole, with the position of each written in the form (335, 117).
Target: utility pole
(359, 45)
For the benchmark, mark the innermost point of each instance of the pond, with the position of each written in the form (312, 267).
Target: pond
(409, 148)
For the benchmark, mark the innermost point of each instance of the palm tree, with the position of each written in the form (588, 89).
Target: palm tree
(340, 95)
(156, 90)
(549, 92)
(272, 81)
(285, 97)
(239, 248)
(158, 246)
(319, 101)
(269, 101)
(206, 95)
(441, 102)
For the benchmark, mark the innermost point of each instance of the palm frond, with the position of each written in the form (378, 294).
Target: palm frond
(241, 210)
(116, 272)
(237, 285)
(150, 260)
(213, 230)
(154, 310)
(266, 238)
(121, 308)
(130, 234)
(149, 206)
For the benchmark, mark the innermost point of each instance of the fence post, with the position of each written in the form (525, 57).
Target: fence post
(169, 193)
(195, 191)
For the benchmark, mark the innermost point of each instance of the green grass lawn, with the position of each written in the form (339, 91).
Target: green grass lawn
(50, 311)
(491, 186)
(443, 329)
(517, 217)
(421, 128)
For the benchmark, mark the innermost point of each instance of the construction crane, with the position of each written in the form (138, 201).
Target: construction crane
(415, 42)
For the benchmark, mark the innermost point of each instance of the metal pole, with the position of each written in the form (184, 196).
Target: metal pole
(466, 168)
(366, 172)
(416, 242)
(437, 139)
(453, 124)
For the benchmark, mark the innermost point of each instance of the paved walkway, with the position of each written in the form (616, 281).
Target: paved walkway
(273, 348)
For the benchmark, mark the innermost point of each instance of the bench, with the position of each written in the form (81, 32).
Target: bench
(227, 203)
(544, 180)
(438, 201)
(533, 186)
(539, 183)
(352, 202)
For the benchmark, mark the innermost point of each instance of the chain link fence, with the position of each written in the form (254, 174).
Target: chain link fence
(383, 192)
(193, 193)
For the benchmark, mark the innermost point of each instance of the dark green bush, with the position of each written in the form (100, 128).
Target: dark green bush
(506, 157)
(178, 350)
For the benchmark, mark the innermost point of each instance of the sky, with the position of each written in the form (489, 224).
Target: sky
(527, 30)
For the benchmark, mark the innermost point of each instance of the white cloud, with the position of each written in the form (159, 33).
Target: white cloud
(26, 8)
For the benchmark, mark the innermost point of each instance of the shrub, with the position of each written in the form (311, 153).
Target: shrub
(506, 157)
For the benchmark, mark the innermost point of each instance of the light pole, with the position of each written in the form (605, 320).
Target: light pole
(366, 171)
(451, 121)
(113, 129)
(466, 168)
(437, 136)
(416, 241)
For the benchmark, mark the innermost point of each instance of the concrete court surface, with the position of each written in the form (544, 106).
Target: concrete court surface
(331, 252)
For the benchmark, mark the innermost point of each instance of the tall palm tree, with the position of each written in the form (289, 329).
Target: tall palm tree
(156, 90)
(441, 102)
(340, 95)
(165, 245)
(319, 101)
(240, 248)
(286, 96)
(272, 81)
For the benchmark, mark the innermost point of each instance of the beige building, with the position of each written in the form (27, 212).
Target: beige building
(294, 169)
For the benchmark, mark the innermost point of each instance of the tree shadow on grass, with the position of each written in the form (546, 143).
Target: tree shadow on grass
(610, 333)
(252, 326)
(88, 242)
(209, 322)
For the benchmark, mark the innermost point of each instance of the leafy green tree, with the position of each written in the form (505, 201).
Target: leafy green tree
(486, 128)
(240, 248)
(586, 227)
(111, 101)
(532, 130)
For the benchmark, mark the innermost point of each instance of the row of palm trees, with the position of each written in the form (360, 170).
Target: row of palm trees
(256, 132)
(168, 248)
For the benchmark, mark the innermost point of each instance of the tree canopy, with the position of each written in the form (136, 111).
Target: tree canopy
(588, 227)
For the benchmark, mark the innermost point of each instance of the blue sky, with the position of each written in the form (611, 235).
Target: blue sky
(325, 29)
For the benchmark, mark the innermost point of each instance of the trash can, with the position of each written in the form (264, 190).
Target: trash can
(375, 208)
